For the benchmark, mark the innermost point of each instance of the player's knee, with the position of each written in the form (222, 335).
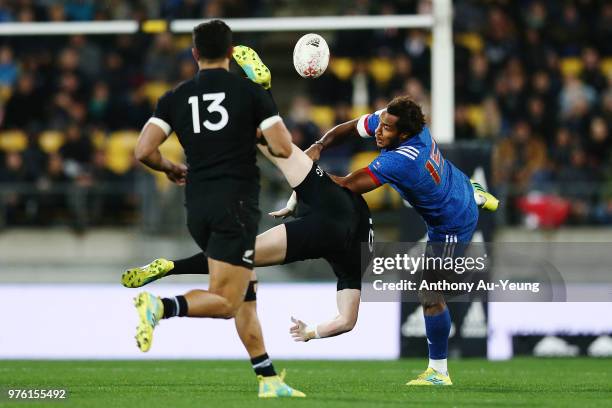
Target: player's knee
(228, 309)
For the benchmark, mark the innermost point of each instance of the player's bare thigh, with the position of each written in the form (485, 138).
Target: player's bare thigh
(271, 246)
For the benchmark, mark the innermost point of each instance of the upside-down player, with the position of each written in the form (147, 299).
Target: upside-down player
(411, 162)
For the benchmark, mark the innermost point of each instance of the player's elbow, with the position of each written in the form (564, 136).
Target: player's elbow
(341, 181)
(141, 153)
(346, 324)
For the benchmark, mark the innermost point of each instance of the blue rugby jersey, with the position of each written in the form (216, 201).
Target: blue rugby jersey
(438, 191)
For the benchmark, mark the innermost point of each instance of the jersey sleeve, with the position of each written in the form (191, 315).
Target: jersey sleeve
(162, 115)
(393, 167)
(266, 112)
(367, 124)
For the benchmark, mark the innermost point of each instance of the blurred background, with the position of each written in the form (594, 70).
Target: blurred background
(532, 118)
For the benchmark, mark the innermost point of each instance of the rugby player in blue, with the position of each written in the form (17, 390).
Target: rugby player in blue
(412, 163)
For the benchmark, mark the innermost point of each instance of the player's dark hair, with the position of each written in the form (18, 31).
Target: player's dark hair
(212, 39)
(411, 118)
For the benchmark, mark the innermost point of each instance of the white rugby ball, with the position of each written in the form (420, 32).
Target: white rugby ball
(311, 56)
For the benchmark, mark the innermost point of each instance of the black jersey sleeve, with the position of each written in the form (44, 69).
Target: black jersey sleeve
(163, 112)
(264, 104)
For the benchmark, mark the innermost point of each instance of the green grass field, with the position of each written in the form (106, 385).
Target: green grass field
(169, 384)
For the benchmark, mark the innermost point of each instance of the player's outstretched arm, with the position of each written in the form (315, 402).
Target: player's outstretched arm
(348, 310)
(360, 181)
(336, 135)
(147, 152)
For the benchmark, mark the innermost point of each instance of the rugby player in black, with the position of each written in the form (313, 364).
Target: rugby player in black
(215, 116)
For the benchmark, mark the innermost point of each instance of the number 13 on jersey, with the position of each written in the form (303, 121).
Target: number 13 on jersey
(213, 107)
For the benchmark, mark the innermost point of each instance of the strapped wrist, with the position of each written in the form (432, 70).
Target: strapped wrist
(312, 332)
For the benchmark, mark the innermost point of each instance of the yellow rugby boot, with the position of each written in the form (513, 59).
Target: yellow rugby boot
(483, 198)
(275, 387)
(252, 65)
(431, 377)
(150, 311)
(137, 277)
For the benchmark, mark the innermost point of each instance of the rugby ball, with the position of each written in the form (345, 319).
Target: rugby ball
(311, 56)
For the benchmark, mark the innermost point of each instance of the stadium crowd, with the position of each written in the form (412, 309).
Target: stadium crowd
(533, 81)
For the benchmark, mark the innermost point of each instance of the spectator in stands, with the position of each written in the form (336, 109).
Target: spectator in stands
(25, 105)
(89, 56)
(402, 73)
(6, 13)
(599, 145)
(519, 159)
(132, 111)
(603, 211)
(463, 128)
(76, 152)
(574, 95)
(34, 158)
(479, 80)
(603, 27)
(535, 50)
(500, 38)
(13, 172)
(387, 42)
(577, 180)
(492, 124)
(53, 200)
(161, 59)
(591, 72)
(8, 68)
(99, 104)
(569, 32)
(560, 152)
(415, 46)
(541, 120)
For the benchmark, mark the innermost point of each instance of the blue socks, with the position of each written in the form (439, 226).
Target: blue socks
(438, 328)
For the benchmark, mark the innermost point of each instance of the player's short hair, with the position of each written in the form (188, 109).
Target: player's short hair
(411, 118)
(212, 39)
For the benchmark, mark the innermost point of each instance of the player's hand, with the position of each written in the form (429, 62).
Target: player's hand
(298, 330)
(314, 151)
(283, 213)
(177, 173)
(289, 209)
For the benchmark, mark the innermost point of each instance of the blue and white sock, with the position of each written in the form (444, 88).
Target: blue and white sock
(438, 328)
